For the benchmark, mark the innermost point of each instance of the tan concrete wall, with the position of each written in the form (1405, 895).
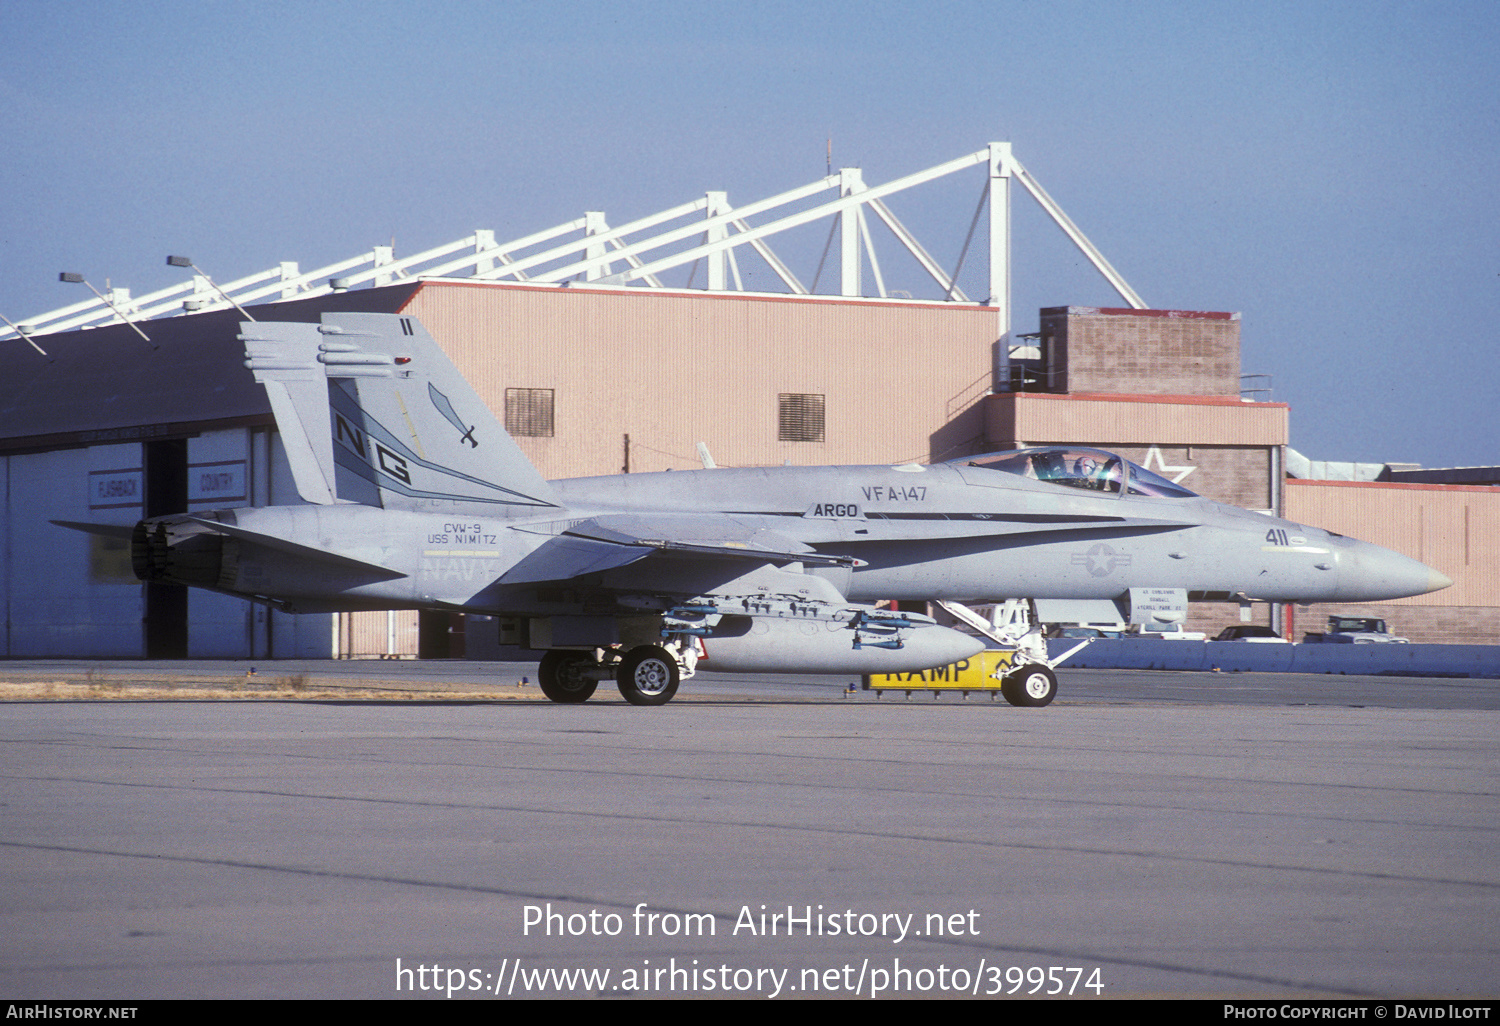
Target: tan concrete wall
(901, 381)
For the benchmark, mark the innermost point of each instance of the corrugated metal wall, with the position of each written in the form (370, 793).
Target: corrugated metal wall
(671, 370)
(1454, 529)
(367, 635)
(1143, 420)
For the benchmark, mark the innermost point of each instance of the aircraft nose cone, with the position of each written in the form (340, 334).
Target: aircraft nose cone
(1369, 573)
(1437, 581)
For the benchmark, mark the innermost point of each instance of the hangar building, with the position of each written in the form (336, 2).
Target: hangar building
(597, 366)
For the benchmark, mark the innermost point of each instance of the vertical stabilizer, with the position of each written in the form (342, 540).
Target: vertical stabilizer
(400, 428)
(284, 357)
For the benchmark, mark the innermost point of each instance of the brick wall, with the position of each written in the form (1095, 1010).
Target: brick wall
(1422, 625)
(1145, 352)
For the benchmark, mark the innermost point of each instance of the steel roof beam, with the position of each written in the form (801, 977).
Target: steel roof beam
(791, 220)
(719, 233)
(534, 259)
(782, 270)
(915, 248)
(1080, 240)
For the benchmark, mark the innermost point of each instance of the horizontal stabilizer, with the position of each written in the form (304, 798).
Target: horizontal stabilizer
(303, 551)
(103, 530)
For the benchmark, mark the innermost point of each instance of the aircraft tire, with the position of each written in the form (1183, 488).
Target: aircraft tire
(648, 675)
(561, 677)
(1033, 685)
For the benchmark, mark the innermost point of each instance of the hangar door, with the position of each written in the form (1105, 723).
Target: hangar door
(166, 477)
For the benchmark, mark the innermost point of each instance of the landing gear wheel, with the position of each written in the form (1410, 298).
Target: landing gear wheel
(1031, 685)
(648, 675)
(561, 675)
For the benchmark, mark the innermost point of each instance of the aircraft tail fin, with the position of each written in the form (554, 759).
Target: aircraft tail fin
(371, 410)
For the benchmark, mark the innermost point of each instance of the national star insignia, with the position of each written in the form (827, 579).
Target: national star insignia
(1154, 453)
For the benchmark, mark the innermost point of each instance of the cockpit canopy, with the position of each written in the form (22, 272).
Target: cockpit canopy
(1090, 469)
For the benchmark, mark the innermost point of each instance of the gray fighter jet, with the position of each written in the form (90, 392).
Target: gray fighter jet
(418, 499)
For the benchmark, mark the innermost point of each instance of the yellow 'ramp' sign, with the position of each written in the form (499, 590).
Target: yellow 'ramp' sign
(978, 673)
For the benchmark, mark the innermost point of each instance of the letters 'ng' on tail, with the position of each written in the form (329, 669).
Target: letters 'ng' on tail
(372, 411)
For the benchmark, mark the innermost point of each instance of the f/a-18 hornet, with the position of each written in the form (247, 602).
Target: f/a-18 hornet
(418, 499)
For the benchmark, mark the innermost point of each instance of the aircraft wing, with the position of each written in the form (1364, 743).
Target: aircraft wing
(565, 557)
(604, 543)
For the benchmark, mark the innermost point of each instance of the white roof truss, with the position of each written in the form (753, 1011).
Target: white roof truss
(639, 252)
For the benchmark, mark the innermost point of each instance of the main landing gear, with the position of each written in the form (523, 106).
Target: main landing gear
(645, 675)
(567, 676)
(648, 675)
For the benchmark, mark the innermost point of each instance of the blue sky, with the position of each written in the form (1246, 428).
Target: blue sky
(1328, 170)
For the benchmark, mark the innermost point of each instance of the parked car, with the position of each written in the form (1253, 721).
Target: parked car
(1355, 630)
(1166, 632)
(1251, 632)
(1082, 632)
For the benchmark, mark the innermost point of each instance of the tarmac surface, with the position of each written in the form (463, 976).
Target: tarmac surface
(380, 830)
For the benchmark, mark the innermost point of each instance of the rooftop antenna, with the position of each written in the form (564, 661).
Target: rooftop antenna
(182, 261)
(24, 330)
(68, 276)
(830, 154)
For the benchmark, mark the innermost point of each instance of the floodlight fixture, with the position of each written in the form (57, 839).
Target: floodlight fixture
(72, 278)
(25, 331)
(182, 261)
